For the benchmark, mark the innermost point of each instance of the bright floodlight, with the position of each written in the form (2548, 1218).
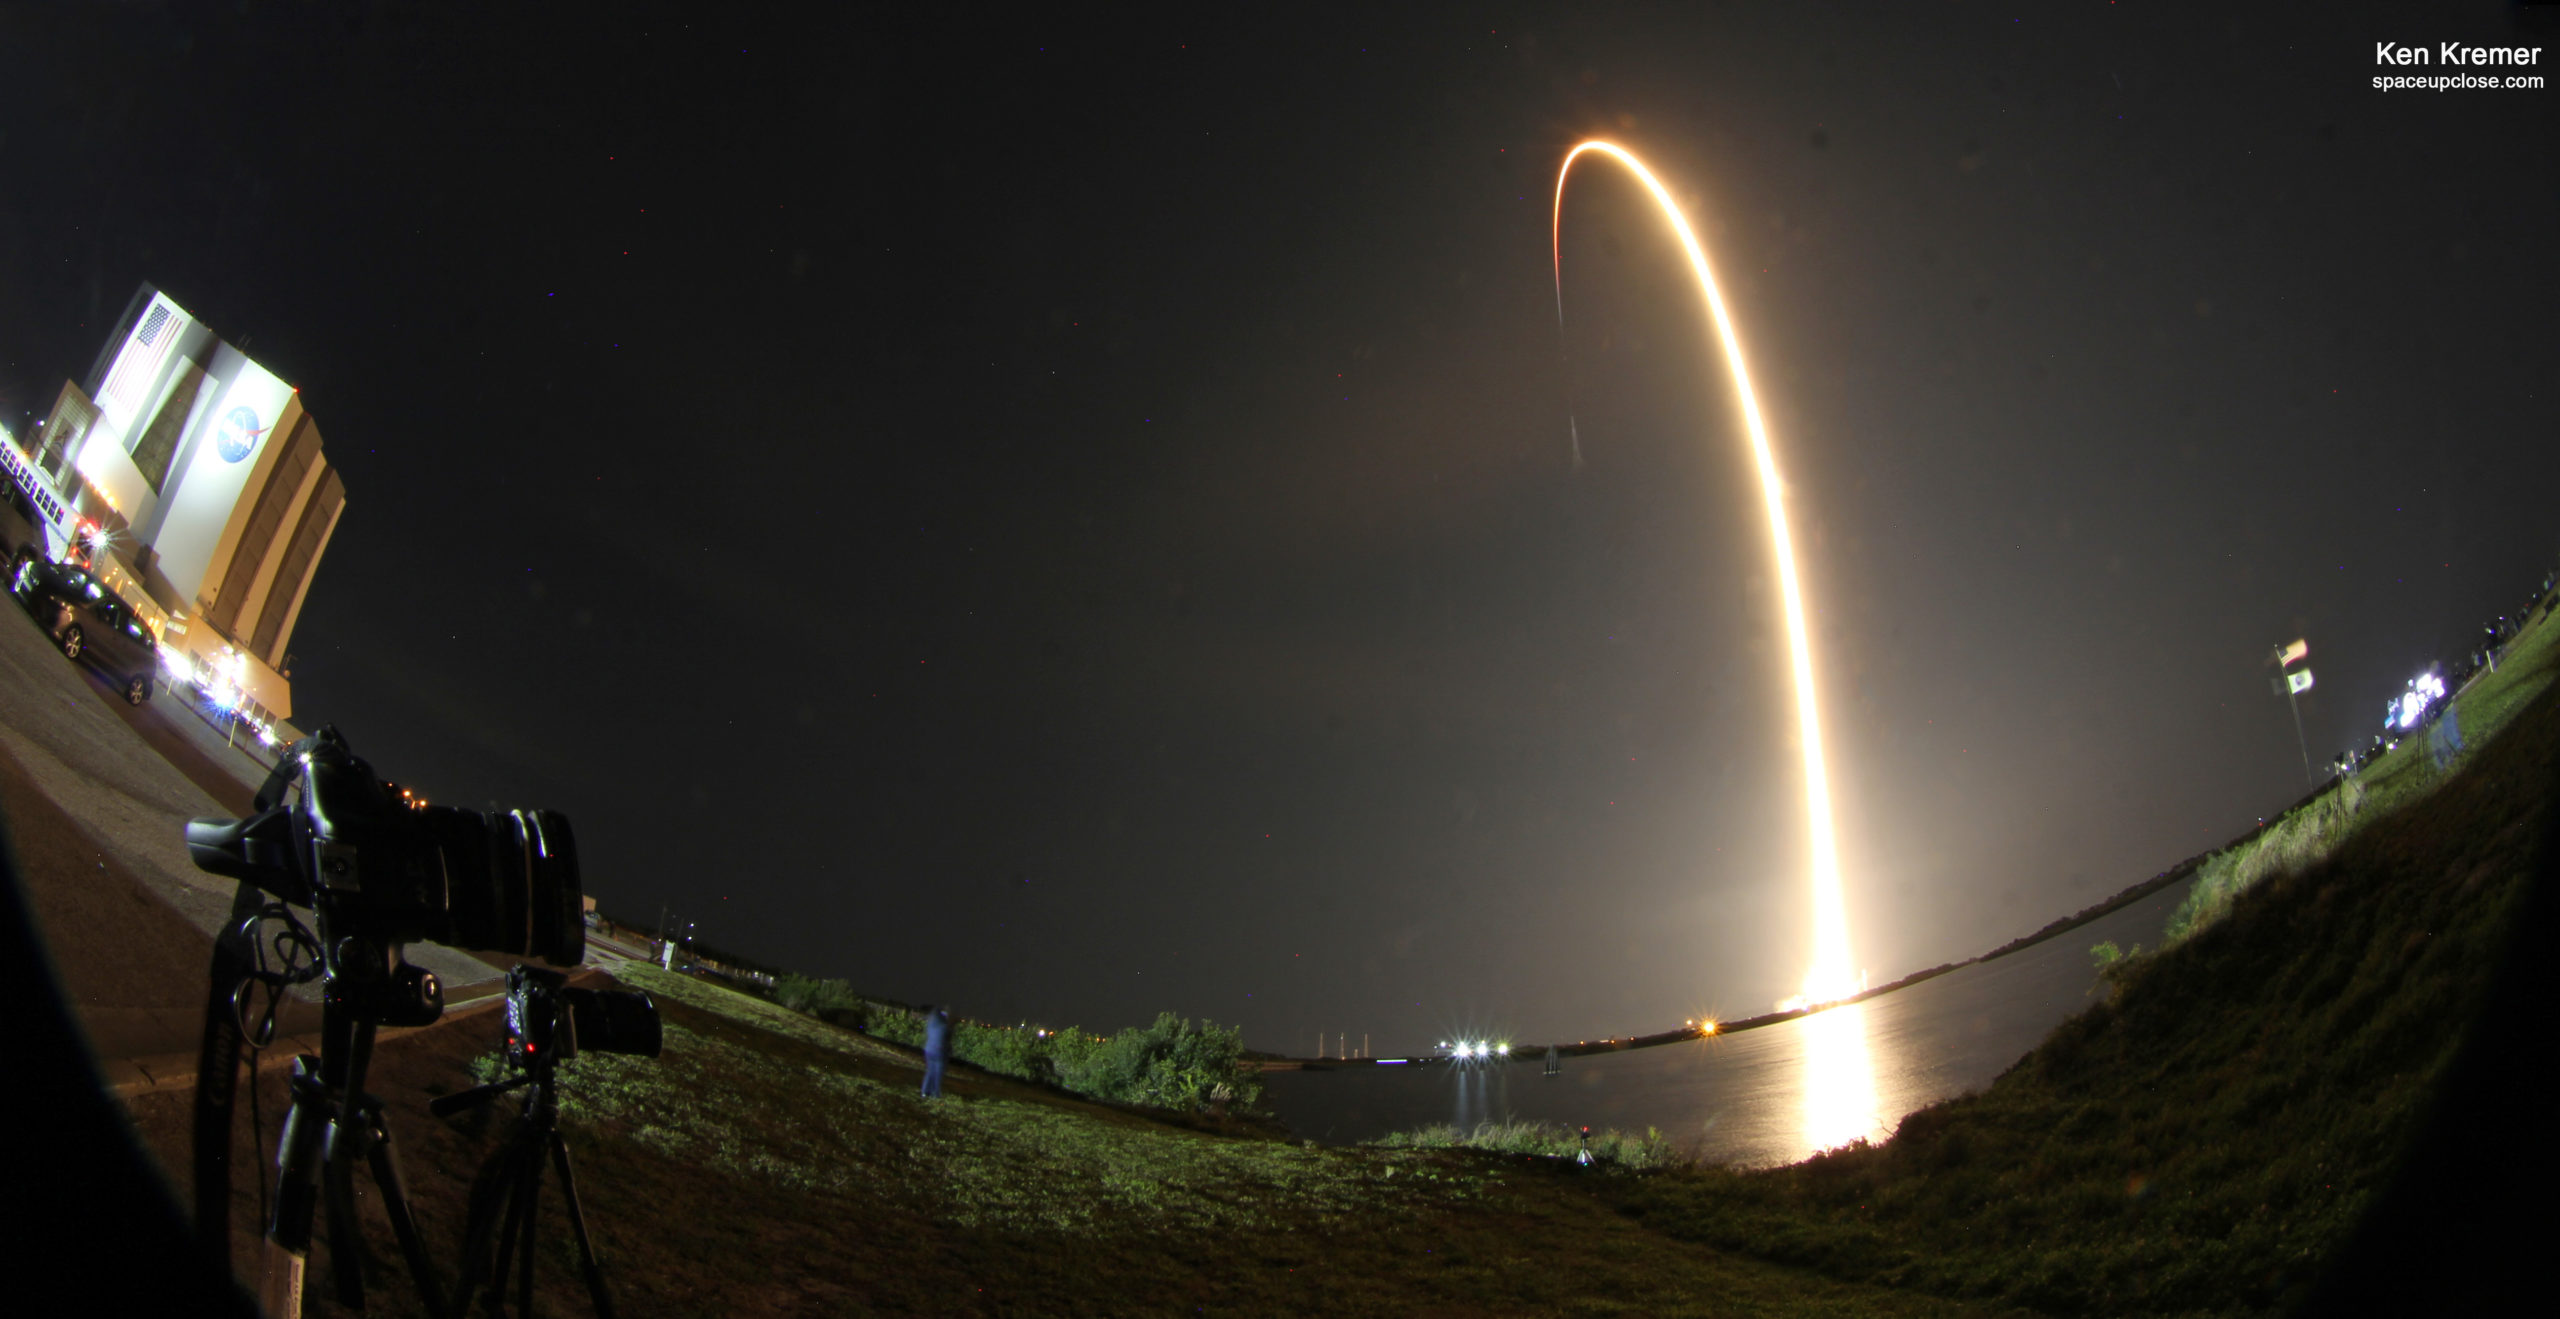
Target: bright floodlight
(2424, 690)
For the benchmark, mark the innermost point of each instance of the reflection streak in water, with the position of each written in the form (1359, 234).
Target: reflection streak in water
(1473, 1108)
(1839, 1079)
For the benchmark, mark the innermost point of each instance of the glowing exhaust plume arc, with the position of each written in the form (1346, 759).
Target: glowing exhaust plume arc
(1830, 978)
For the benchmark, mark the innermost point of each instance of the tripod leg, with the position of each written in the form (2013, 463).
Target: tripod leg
(338, 1197)
(217, 1082)
(587, 1261)
(493, 1199)
(532, 1203)
(320, 1105)
(494, 1300)
(395, 1203)
(298, 1160)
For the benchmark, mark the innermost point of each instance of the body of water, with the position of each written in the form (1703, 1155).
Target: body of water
(1767, 1096)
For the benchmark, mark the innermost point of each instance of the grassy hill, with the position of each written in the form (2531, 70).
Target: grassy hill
(2213, 1138)
(769, 1163)
(2210, 1138)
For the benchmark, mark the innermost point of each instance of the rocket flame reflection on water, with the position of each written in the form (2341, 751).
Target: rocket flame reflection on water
(1839, 1079)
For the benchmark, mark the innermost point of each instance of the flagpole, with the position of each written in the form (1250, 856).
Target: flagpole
(2283, 657)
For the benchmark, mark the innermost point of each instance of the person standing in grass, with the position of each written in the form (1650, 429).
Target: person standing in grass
(2444, 736)
(937, 1049)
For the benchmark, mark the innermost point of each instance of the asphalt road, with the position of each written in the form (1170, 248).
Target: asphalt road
(96, 795)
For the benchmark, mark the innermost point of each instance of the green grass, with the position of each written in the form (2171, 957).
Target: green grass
(1013, 1164)
(748, 1009)
(769, 1163)
(1545, 1140)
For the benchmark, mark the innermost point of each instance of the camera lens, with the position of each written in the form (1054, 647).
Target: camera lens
(501, 881)
(511, 883)
(511, 871)
(472, 877)
(555, 897)
(615, 1021)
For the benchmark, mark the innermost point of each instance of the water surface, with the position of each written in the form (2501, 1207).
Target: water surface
(1766, 1096)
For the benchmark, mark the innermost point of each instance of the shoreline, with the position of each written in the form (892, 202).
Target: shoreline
(2053, 929)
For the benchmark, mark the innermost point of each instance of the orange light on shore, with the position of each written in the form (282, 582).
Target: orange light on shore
(1831, 977)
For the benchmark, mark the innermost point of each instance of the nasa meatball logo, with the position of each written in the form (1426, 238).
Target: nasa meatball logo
(239, 434)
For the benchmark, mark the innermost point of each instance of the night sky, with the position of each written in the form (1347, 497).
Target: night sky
(1078, 518)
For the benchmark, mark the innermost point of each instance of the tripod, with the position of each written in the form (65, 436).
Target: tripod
(509, 1186)
(331, 1125)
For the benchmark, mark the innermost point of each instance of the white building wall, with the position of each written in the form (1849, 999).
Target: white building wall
(202, 506)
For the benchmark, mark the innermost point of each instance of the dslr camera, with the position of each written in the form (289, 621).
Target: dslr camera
(549, 1019)
(381, 870)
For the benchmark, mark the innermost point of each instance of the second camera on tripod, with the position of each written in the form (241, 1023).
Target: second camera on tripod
(550, 1019)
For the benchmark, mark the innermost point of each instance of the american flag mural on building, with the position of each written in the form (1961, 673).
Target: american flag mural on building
(139, 364)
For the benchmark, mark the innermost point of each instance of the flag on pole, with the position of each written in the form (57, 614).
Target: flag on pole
(2292, 653)
(2298, 682)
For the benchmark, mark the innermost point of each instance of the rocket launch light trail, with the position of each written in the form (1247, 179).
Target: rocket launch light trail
(1830, 978)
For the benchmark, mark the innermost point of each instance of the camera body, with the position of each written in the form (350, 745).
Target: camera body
(381, 869)
(548, 1018)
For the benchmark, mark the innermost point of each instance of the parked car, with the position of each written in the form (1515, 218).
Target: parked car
(91, 624)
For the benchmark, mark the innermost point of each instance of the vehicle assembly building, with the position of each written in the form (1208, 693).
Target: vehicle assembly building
(197, 481)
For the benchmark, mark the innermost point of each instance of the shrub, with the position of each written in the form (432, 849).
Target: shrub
(1545, 1139)
(1014, 1051)
(1175, 1063)
(896, 1025)
(815, 997)
(2291, 844)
